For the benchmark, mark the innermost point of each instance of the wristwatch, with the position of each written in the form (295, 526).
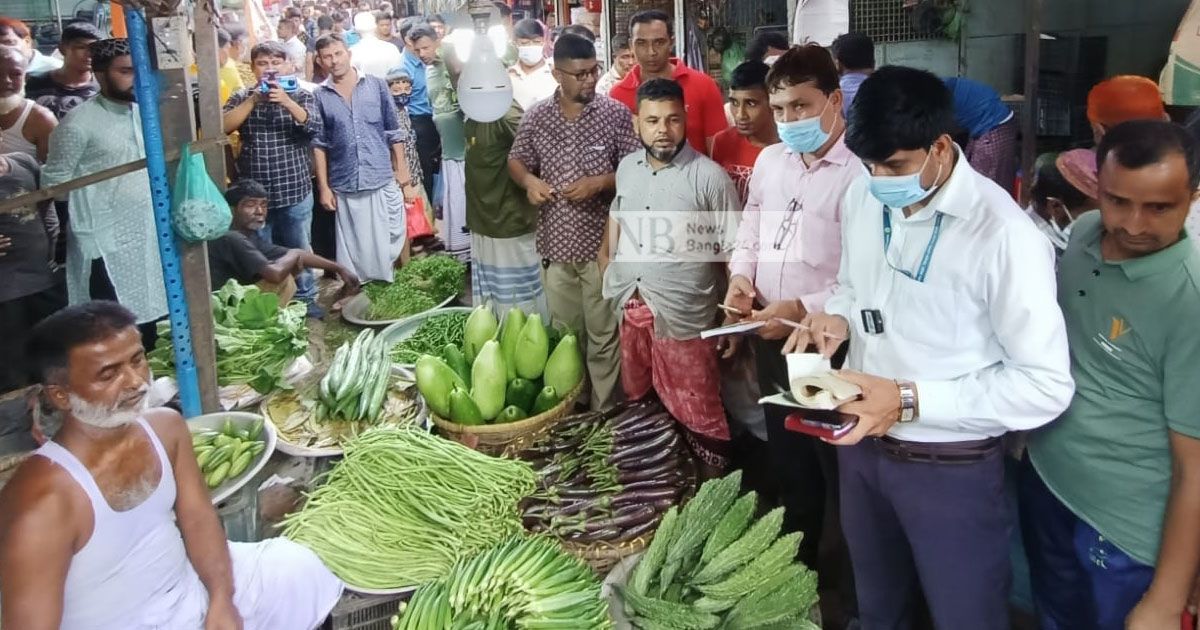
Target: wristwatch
(909, 410)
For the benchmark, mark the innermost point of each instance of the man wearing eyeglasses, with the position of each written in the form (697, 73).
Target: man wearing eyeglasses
(947, 295)
(565, 156)
(653, 36)
(786, 264)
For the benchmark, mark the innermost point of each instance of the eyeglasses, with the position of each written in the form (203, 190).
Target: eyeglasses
(787, 229)
(584, 75)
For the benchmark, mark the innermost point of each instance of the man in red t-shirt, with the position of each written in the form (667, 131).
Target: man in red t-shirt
(653, 37)
(737, 148)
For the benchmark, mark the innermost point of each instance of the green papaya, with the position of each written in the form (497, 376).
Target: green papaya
(488, 385)
(564, 368)
(510, 332)
(481, 327)
(546, 400)
(435, 381)
(463, 410)
(532, 348)
(521, 393)
(453, 356)
(511, 413)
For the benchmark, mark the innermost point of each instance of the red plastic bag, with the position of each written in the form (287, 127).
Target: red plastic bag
(417, 222)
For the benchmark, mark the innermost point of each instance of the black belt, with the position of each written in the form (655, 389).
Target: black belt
(939, 452)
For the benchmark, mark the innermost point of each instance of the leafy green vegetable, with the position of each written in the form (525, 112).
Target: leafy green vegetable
(418, 286)
(256, 339)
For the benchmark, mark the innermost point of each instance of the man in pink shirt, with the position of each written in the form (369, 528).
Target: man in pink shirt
(789, 247)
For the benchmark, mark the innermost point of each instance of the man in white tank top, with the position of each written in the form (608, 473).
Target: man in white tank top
(110, 526)
(25, 126)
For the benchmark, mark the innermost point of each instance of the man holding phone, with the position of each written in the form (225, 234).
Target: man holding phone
(947, 295)
(276, 122)
(785, 265)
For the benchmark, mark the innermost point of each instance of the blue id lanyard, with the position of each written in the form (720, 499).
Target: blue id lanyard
(928, 256)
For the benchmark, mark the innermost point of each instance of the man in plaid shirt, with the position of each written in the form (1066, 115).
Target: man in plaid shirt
(276, 129)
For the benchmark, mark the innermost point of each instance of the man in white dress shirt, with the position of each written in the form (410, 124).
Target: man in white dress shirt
(947, 295)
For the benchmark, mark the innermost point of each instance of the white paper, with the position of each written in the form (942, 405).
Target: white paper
(732, 329)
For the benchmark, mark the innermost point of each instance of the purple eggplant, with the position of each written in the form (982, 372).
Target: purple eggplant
(639, 497)
(639, 530)
(630, 516)
(628, 476)
(662, 443)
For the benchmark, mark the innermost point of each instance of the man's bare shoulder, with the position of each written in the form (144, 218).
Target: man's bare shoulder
(168, 425)
(40, 494)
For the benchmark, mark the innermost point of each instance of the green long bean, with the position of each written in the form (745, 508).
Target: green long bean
(403, 506)
(430, 337)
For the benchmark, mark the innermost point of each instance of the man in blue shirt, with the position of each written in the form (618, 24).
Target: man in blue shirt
(360, 164)
(420, 51)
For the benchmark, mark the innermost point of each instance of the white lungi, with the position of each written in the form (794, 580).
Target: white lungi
(371, 231)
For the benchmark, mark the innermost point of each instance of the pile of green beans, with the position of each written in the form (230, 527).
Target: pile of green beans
(403, 506)
(430, 337)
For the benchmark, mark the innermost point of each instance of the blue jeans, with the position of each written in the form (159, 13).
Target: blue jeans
(1081, 581)
(290, 227)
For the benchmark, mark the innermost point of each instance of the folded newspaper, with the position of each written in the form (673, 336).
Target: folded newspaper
(814, 385)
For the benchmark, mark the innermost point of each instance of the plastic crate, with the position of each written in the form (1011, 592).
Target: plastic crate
(365, 612)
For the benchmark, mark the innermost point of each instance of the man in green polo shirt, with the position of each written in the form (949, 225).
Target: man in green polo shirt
(1110, 506)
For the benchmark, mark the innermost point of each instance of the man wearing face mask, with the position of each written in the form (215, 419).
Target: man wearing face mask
(112, 244)
(786, 263)
(532, 78)
(670, 230)
(109, 525)
(946, 292)
(1055, 202)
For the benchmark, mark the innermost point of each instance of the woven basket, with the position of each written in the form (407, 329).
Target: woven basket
(494, 438)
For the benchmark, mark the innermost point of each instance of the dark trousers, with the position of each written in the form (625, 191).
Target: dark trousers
(429, 148)
(100, 287)
(938, 528)
(806, 475)
(1080, 580)
(17, 319)
(324, 230)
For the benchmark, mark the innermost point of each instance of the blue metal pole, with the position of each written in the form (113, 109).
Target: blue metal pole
(146, 88)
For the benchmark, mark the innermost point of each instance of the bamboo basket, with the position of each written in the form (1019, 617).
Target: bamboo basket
(492, 439)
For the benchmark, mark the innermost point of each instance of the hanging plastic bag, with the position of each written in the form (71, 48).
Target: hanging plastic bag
(199, 211)
(414, 215)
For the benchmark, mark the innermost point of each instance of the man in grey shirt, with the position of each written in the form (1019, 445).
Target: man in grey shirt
(671, 225)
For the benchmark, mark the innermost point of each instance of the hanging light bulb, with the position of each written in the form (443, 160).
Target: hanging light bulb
(484, 88)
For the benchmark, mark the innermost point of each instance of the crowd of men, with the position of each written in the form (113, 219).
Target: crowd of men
(865, 214)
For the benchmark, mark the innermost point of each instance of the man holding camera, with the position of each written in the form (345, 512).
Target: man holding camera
(276, 121)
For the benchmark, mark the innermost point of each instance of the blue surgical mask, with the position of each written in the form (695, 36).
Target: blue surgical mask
(902, 191)
(804, 136)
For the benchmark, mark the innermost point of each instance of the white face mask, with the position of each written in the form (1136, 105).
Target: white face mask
(530, 55)
(1059, 236)
(11, 102)
(770, 61)
(103, 417)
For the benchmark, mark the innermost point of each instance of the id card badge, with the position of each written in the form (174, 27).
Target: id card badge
(872, 321)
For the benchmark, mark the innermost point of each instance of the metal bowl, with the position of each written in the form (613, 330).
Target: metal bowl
(241, 420)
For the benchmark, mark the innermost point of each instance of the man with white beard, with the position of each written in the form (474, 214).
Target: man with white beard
(110, 524)
(25, 126)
